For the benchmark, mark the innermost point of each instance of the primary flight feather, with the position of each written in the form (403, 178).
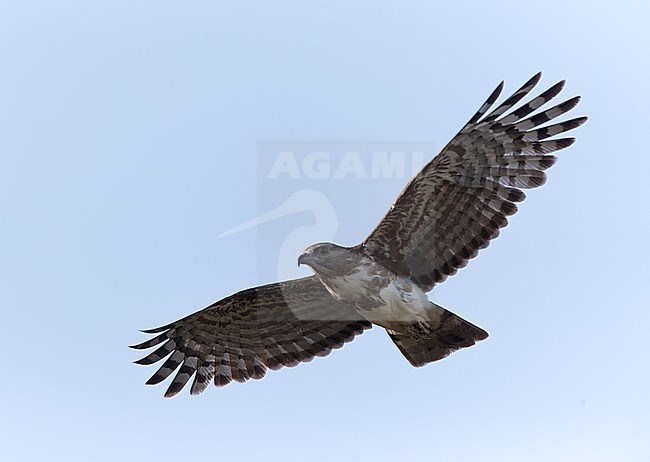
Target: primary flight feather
(448, 212)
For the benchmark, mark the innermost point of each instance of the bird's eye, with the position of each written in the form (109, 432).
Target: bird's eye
(323, 251)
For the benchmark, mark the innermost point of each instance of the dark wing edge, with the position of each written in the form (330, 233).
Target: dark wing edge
(461, 199)
(242, 336)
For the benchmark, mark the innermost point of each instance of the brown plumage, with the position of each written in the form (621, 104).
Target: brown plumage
(241, 336)
(461, 199)
(448, 212)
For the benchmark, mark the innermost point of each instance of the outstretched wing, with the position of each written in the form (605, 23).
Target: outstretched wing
(241, 336)
(460, 200)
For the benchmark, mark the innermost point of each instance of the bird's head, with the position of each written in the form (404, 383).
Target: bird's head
(327, 258)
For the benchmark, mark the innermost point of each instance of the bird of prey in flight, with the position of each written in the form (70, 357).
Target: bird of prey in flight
(448, 212)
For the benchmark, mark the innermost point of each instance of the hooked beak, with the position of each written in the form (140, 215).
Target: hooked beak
(303, 259)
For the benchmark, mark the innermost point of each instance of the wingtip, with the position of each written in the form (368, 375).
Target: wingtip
(155, 379)
(496, 93)
(195, 391)
(571, 103)
(139, 346)
(534, 80)
(155, 330)
(558, 87)
(171, 392)
(580, 121)
(564, 143)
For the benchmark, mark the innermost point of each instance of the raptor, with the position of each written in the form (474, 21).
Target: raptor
(446, 214)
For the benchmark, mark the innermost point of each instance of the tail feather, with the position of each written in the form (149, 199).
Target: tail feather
(443, 334)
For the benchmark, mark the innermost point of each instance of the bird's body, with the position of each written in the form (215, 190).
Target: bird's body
(381, 296)
(391, 301)
(448, 212)
(378, 294)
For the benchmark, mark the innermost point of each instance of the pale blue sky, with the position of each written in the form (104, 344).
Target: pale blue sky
(129, 140)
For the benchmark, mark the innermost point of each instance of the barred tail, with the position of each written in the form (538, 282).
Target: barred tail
(445, 333)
